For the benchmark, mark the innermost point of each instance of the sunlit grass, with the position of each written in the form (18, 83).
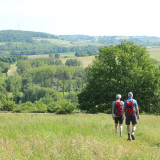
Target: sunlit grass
(79, 136)
(155, 55)
(12, 70)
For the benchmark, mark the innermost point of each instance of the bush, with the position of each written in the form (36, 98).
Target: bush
(40, 107)
(61, 107)
(53, 107)
(6, 105)
(1, 106)
(25, 107)
(36, 107)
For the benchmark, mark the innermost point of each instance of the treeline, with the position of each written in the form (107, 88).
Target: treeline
(42, 85)
(12, 59)
(37, 48)
(86, 53)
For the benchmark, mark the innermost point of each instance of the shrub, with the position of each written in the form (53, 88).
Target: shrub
(64, 107)
(61, 107)
(6, 105)
(25, 107)
(1, 106)
(36, 107)
(40, 107)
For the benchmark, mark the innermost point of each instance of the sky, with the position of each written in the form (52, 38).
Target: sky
(85, 17)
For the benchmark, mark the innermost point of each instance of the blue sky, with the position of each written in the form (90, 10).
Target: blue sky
(87, 17)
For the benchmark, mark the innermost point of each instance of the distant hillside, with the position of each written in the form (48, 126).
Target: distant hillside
(109, 40)
(22, 36)
(15, 42)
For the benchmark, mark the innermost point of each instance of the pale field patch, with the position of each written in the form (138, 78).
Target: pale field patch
(12, 70)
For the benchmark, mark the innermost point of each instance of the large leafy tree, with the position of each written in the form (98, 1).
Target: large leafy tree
(120, 69)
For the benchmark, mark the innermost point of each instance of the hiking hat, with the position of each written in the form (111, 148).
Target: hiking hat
(118, 96)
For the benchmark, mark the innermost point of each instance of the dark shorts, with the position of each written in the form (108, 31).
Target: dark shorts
(118, 119)
(132, 119)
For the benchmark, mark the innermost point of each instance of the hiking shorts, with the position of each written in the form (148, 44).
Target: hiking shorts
(118, 120)
(132, 119)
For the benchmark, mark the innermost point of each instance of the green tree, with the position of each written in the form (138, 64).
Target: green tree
(57, 55)
(73, 62)
(51, 55)
(120, 69)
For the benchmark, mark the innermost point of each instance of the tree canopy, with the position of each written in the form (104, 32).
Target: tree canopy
(120, 69)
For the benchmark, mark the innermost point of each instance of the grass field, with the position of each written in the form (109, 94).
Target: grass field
(154, 52)
(12, 70)
(77, 136)
(85, 60)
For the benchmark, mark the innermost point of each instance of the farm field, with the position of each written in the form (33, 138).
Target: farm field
(154, 52)
(85, 60)
(76, 136)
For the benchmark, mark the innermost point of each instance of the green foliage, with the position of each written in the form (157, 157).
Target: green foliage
(58, 62)
(22, 36)
(4, 67)
(73, 62)
(34, 93)
(89, 52)
(121, 69)
(62, 106)
(36, 107)
(72, 96)
(57, 55)
(12, 59)
(6, 105)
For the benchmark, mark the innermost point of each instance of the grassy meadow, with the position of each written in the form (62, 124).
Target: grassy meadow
(76, 136)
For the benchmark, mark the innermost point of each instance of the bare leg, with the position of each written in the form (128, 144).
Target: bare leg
(121, 128)
(133, 131)
(116, 127)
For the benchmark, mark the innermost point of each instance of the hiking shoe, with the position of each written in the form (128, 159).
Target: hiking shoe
(129, 137)
(133, 138)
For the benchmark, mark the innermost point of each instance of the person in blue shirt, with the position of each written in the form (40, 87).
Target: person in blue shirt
(132, 114)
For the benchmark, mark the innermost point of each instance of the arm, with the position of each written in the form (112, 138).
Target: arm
(113, 112)
(137, 110)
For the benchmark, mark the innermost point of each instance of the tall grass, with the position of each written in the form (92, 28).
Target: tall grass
(79, 136)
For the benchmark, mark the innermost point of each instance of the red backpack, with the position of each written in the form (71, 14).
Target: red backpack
(130, 109)
(118, 108)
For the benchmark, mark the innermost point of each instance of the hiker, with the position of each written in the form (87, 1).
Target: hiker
(132, 114)
(117, 108)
